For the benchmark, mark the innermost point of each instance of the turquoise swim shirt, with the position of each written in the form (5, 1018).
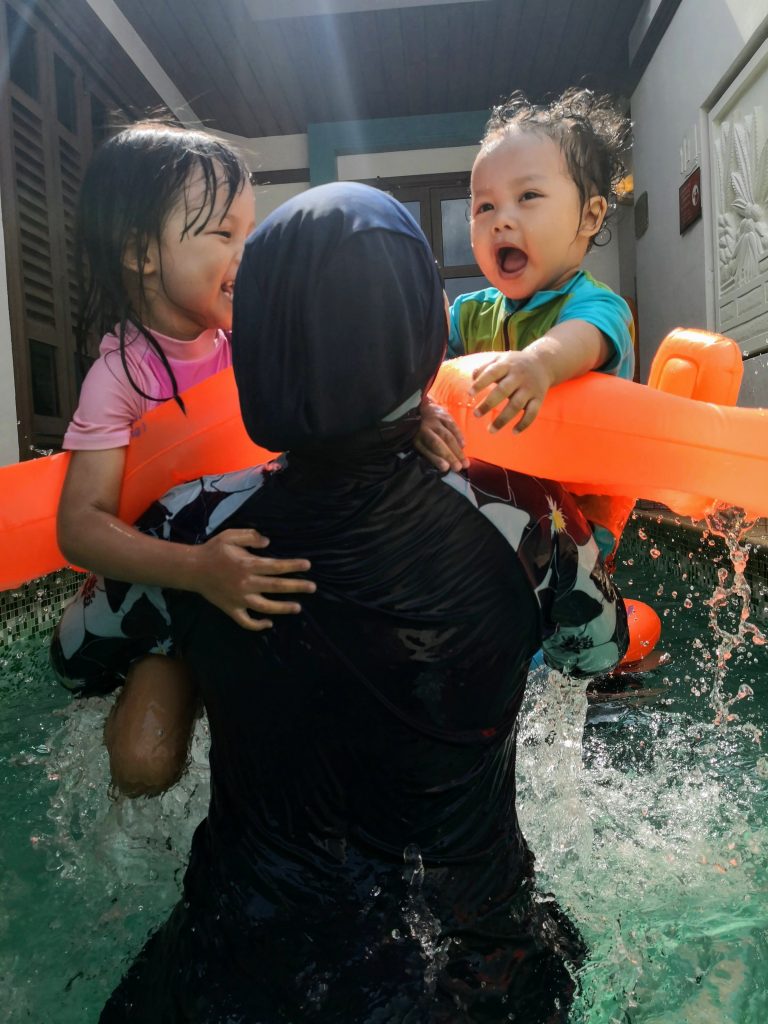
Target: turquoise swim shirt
(487, 321)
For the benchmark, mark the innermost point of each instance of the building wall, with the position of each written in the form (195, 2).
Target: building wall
(399, 163)
(278, 154)
(706, 44)
(9, 435)
(612, 263)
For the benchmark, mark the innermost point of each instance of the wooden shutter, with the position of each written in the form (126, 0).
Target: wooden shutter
(46, 119)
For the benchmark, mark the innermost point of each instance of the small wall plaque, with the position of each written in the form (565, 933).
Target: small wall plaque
(690, 200)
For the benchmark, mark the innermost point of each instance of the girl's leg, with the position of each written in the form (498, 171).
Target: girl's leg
(148, 731)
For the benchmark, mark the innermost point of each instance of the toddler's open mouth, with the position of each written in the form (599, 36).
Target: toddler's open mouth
(511, 260)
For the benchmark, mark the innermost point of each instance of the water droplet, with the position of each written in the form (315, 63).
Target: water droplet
(687, 603)
(655, 553)
(414, 867)
(642, 534)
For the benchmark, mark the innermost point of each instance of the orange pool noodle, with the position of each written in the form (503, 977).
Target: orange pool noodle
(598, 435)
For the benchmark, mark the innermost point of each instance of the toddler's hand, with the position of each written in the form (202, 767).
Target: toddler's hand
(235, 580)
(439, 439)
(521, 379)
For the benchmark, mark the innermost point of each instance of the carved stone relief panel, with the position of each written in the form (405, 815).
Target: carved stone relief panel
(739, 161)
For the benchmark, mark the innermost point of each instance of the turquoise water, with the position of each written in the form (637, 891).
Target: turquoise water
(649, 823)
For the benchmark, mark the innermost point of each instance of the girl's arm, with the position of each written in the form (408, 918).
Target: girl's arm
(222, 569)
(522, 379)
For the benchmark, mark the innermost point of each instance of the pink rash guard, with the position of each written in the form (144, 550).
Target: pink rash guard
(109, 405)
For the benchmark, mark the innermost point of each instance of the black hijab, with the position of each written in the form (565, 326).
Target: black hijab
(338, 317)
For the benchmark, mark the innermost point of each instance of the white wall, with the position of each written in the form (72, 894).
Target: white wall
(9, 435)
(269, 197)
(602, 262)
(290, 151)
(705, 44)
(272, 153)
(398, 163)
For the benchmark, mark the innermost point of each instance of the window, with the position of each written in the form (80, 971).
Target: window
(66, 102)
(440, 205)
(23, 53)
(45, 390)
(99, 126)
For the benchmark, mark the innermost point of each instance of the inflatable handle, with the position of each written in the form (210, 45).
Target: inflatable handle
(698, 364)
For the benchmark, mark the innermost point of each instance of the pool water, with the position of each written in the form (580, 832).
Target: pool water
(649, 823)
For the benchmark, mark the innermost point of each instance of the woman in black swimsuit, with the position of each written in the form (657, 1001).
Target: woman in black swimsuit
(361, 860)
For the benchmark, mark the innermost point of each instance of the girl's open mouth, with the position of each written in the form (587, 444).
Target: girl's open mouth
(511, 260)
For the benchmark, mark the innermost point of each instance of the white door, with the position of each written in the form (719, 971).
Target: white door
(738, 133)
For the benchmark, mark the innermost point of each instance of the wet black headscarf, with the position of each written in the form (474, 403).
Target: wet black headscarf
(338, 317)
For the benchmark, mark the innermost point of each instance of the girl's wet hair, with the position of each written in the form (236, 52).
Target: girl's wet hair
(590, 130)
(132, 184)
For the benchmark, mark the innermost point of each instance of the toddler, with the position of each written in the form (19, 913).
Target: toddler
(540, 190)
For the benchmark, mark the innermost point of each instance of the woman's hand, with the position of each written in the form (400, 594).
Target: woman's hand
(522, 380)
(233, 578)
(439, 439)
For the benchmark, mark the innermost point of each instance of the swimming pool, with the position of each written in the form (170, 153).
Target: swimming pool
(650, 824)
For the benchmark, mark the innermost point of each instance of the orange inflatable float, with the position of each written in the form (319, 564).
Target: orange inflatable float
(644, 631)
(599, 435)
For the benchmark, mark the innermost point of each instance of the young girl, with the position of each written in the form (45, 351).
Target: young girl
(541, 187)
(162, 221)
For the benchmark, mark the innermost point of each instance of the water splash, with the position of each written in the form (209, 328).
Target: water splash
(83, 879)
(729, 607)
(652, 833)
(422, 925)
(657, 847)
(126, 842)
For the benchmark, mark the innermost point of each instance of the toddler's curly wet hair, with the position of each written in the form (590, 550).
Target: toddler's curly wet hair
(590, 130)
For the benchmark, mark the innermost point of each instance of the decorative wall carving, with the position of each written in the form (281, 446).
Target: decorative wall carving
(741, 163)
